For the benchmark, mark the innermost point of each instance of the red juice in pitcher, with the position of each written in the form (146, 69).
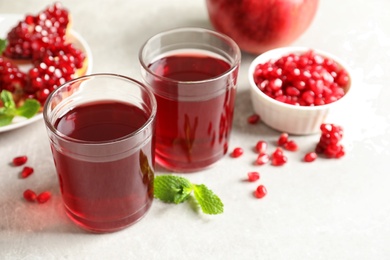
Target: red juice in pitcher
(195, 108)
(104, 193)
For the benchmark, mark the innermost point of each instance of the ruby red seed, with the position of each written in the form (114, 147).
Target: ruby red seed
(237, 152)
(29, 195)
(260, 192)
(279, 161)
(278, 157)
(253, 119)
(261, 147)
(310, 157)
(283, 138)
(253, 176)
(43, 197)
(291, 145)
(20, 160)
(27, 171)
(262, 159)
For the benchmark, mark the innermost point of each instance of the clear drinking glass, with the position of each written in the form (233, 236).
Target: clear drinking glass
(101, 131)
(193, 74)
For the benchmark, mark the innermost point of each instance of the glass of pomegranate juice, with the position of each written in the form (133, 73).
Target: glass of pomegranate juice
(101, 131)
(193, 74)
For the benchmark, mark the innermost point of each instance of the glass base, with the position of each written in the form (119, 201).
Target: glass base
(108, 227)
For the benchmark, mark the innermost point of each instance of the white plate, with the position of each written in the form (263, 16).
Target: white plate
(7, 21)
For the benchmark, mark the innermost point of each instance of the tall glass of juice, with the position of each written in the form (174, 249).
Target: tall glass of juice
(101, 132)
(193, 74)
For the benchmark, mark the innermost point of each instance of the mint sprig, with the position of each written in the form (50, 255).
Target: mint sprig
(176, 189)
(3, 44)
(9, 110)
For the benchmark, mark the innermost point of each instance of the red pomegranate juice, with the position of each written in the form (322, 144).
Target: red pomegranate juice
(195, 109)
(104, 193)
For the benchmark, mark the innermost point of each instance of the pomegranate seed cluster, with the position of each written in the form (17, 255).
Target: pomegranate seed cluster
(41, 40)
(37, 32)
(306, 79)
(329, 145)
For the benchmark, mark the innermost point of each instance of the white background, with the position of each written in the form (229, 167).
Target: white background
(329, 209)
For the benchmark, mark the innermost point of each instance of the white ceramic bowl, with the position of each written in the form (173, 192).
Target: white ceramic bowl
(292, 119)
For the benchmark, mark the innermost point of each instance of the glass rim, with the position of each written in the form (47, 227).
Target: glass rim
(64, 137)
(227, 39)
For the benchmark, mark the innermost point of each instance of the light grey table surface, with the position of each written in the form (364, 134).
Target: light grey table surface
(330, 209)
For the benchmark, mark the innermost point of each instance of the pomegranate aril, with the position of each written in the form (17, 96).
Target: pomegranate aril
(27, 171)
(310, 157)
(43, 197)
(260, 192)
(20, 160)
(29, 195)
(261, 147)
(253, 176)
(341, 153)
(332, 150)
(283, 138)
(291, 145)
(278, 157)
(278, 152)
(279, 161)
(237, 152)
(253, 119)
(342, 78)
(262, 159)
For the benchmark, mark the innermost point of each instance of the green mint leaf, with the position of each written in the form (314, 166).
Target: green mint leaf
(7, 99)
(175, 189)
(5, 119)
(29, 108)
(172, 189)
(9, 110)
(3, 44)
(207, 200)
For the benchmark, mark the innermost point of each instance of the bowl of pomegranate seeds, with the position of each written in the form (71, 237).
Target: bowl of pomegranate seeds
(294, 88)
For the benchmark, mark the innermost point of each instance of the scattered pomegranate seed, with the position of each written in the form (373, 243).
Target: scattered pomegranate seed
(283, 138)
(262, 159)
(291, 145)
(27, 171)
(260, 192)
(279, 161)
(237, 152)
(253, 119)
(20, 160)
(278, 152)
(306, 79)
(278, 157)
(43, 197)
(253, 176)
(29, 195)
(261, 147)
(310, 157)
